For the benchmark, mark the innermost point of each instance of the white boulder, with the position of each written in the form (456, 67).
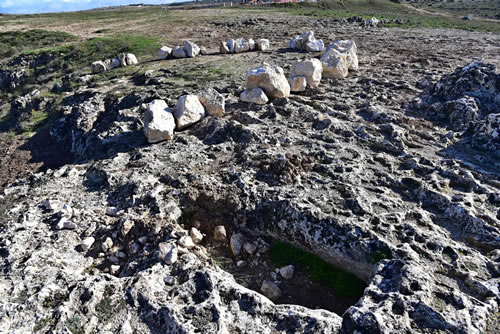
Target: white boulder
(297, 84)
(315, 46)
(311, 69)
(349, 49)
(255, 95)
(306, 42)
(271, 79)
(334, 65)
(164, 52)
(231, 45)
(213, 102)
(251, 44)
(131, 59)
(263, 44)
(98, 67)
(115, 63)
(179, 52)
(159, 123)
(188, 110)
(123, 59)
(191, 49)
(241, 45)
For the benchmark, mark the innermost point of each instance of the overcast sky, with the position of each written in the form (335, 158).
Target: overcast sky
(44, 6)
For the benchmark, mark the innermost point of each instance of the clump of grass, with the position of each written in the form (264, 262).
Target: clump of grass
(13, 42)
(380, 254)
(343, 284)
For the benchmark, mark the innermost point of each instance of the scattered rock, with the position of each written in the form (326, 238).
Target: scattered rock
(159, 122)
(311, 69)
(179, 52)
(241, 45)
(98, 67)
(263, 44)
(255, 95)
(334, 65)
(224, 48)
(195, 235)
(297, 84)
(287, 271)
(270, 290)
(236, 243)
(271, 79)
(65, 224)
(87, 243)
(186, 242)
(164, 52)
(220, 233)
(167, 252)
(306, 42)
(213, 102)
(192, 50)
(188, 110)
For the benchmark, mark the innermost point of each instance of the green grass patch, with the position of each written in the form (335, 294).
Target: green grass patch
(343, 284)
(381, 9)
(14, 42)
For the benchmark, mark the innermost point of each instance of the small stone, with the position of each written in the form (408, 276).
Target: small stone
(186, 242)
(111, 211)
(270, 290)
(241, 263)
(168, 252)
(249, 247)
(126, 227)
(114, 269)
(220, 233)
(65, 224)
(107, 244)
(53, 205)
(236, 243)
(255, 95)
(287, 271)
(87, 243)
(195, 235)
(170, 280)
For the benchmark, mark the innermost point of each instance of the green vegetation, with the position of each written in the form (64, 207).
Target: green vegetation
(343, 284)
(14, 42)
(51, 302)
(105, 308)
(382, 9)
(380, 254)
(42, 323)
(75, 325)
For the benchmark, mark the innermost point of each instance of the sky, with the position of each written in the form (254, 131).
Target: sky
(45, 6)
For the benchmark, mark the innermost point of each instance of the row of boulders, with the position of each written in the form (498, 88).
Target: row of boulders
(306, 42)
(240, 45)
(160, 122)
(123, 60)
(187, 50)
(268, 81)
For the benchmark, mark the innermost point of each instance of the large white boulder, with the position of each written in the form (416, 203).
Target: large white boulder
(131, 59)
(347, 47)
(213, 102)
(311, 69)
(179, 52)
(241, 45)
(188, 110)
(271, 79)
(97, 67)
(254, 95)
(159, 123)
(263, 44)
(315, 46)
(334, 65)
(297, 84)
(191, 49)
(164, 52)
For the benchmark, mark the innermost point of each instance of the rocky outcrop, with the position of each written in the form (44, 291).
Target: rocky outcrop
(271, 79)
(159, 123)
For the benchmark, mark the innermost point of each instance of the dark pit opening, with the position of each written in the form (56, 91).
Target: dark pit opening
(315, 284)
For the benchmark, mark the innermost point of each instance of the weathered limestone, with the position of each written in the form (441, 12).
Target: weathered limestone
(270, 290)
(213, 102)
(98, 67)
(255, 95)
(271, 79)
(347, 48)
(231, 44)
(263, 44)
(191, 49)
(159, 123)
(334, 65)
(220, 233)
(131, 59)
(223, 47)
(311, 69)
(188, 110)
(241, 45)
(179, 52)
(164, 52)
(297, 84)
(252, 45)
(306, 42)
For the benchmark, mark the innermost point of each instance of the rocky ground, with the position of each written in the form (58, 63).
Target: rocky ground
(391, 174)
